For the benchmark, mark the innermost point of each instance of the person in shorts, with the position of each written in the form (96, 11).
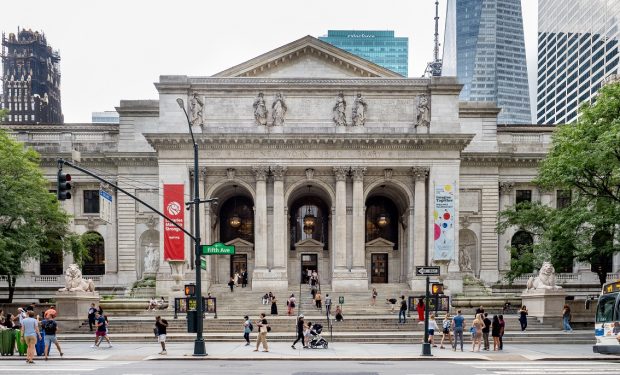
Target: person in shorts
(432, 328)
(102, 331)
(161, 325)
(446, 325)
(50, 327)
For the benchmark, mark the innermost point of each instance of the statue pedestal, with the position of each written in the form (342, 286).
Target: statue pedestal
(75, 305)
(544, 303)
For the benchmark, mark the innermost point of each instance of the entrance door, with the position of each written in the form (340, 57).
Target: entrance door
(309, 262)
(379, 268)
(238, 263)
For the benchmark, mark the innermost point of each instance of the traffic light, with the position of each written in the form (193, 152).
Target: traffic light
(190, 290)
(437, 288)
(64, 186)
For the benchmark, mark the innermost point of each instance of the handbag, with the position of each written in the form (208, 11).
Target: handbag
(155, 331)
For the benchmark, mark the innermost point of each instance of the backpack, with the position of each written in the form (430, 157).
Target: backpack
(446, 324)
(49, 326)
(251, 327)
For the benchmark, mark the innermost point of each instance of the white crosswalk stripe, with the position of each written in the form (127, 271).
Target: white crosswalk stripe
(547, 368)
(57, 367)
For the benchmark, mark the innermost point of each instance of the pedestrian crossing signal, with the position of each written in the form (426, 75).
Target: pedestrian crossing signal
(437, 289)
(190, 289)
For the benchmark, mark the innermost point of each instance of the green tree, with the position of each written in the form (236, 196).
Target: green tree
(584, 158)
(32, 224)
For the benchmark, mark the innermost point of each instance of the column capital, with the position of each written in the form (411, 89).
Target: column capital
(506, 187)
(358, 173)
(278, 172)
(203, 172)
(341, 173)
(261, 172)
(420, 173)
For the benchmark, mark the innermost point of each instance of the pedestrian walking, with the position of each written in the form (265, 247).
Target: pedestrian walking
(244, 278)
(30, 334)
(458, 325)
(247, 328)
(495, 332)
(300, 331)
(50, 327)
(263, 328)
(486, 329)
(476, 332)
(566, 318)
(307, 334)
(50, 313)
(403, 310)
(523, 317)
(274, 305)
(161, 325)
(373, 297)
(432, 328)
(102, 331)
(317, 300)
(236, 279)
(231, 284)
(446, 330)
(328, 305)
(91, 316)
(290, 304)
(502, 326)
(421, 308)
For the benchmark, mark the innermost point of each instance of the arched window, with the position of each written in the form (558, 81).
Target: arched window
(237, 219)
(522, 251)
(94, 264)
(602, 242)
(381, 220)
(522, 241)
(51, 263)
(309, 219)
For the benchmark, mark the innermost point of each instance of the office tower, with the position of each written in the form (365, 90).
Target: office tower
(577, 50)
(484, 47)
(31, 79)
(105, 117)
(380, 47)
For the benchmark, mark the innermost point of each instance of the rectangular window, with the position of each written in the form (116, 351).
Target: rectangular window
(91, 201)
(524, 196)
(563, 198)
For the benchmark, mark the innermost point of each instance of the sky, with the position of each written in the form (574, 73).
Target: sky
(115, 50)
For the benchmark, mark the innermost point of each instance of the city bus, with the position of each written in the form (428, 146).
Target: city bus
(607, 321)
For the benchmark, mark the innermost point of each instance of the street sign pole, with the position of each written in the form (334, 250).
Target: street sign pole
(426, 346)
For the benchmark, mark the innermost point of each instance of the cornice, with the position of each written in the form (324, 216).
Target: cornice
(522, 128)
(213, 141)
(501, 159)
(62, 128)
(146, 159)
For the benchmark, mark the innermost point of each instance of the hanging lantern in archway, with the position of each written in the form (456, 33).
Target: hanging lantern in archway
(383, 220)
(234, 220)
(309, 221)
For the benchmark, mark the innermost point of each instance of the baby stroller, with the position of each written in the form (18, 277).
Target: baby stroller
(317, 340)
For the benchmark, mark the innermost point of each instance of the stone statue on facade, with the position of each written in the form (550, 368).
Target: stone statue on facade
(359, 111)
(151, 259)
(195, 109)
(260, 110)
(74, 281)
(465, 259)
(278, 110)
(423, 117)
(340, 117)
(544, 280)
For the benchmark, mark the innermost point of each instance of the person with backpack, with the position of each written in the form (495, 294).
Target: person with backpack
(446, 325)
(263, 328)
(50, 327)
(91, 316)
(161, 325)
(300, 331)
(403, 310)
(247, 328)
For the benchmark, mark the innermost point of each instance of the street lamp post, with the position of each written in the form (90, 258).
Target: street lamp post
(199, 343)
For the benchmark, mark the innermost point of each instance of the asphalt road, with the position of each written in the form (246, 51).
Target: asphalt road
(191, 367)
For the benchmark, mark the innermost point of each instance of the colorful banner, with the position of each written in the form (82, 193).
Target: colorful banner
(443, 217)
(174, 238)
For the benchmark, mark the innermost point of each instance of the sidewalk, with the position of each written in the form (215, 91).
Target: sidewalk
(338, 351)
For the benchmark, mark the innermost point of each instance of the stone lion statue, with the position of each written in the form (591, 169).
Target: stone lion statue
(545, 278)
(75, 282)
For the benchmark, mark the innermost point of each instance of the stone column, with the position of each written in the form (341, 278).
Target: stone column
(505, 189)
(279, 220)
(359, 273)
(546, 197)
(340, 272)
(410, 272)
(420, 175)
(208, 239)
(260, 225)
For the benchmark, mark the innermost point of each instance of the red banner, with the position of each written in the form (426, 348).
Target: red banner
(174, 238)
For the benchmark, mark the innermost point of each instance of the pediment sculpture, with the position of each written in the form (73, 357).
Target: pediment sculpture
(278, 110)
(339, 111)
(260, 110)
(358, 116)
(423, 117)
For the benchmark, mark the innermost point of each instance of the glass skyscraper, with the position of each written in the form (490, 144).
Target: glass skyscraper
(484, 48)
(577, 50)
(380, 47)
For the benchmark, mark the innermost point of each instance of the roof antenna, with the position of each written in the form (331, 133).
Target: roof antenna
(433, 68)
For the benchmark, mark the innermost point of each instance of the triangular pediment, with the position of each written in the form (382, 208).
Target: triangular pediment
(308, 57)
(308, 242)
(379, 242)
(238, 242)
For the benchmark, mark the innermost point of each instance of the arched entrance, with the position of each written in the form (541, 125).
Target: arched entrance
(309, 228)
(94, 264)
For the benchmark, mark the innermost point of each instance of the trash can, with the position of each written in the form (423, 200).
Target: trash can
(192, 315)
(22, 347)
(7, 342)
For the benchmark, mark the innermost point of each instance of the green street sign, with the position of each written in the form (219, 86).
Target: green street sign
(203, 264)
(218, 248)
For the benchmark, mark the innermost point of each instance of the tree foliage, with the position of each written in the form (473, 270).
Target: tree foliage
(32, 224)
(584, 158)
